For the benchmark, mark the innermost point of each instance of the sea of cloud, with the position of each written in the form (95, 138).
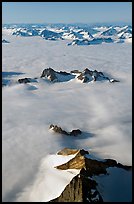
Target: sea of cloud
(102, 110)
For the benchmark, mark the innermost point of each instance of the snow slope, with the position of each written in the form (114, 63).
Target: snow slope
(103, 111)
(49, 182)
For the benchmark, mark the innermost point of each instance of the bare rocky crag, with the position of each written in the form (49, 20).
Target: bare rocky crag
(26, 80)
(5, 41)
(83, 187)
(59, 130)
(54, 76)
(84, 76)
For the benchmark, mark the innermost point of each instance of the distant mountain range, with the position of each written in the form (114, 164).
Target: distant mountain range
(79, 34)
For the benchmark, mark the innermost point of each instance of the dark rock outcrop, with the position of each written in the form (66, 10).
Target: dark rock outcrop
(49, 73)
(76, 71)
(75, 132)
(90, 75)
(5, 41)
(59, 130)
(26, 80)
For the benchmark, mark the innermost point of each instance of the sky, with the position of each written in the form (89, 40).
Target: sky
(66, 12)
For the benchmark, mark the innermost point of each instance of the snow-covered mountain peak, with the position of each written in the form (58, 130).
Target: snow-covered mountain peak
(116, 33)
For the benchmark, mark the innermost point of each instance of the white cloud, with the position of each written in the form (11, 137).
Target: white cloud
(102, 110)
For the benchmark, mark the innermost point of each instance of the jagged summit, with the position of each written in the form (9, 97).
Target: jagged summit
(84, 186)
(85, 76)
(59, 130)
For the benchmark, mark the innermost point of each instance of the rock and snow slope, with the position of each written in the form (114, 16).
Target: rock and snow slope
(73, 176)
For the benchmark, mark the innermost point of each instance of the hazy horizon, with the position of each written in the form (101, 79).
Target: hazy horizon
(72, 23)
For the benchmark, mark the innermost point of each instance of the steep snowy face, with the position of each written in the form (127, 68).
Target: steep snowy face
(109, 32)
(125, 32)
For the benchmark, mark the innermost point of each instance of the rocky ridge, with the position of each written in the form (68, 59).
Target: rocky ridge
(83, 187)
(59, 130)
(61, 76)
(49, 74)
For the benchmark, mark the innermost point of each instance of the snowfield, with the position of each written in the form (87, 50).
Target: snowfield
(102, 110)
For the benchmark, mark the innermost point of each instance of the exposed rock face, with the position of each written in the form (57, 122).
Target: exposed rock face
(49, 73)
(57, 129)
(67, 151)
(78, 162)
(72, 193)
(83, 78)
(83, 188)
